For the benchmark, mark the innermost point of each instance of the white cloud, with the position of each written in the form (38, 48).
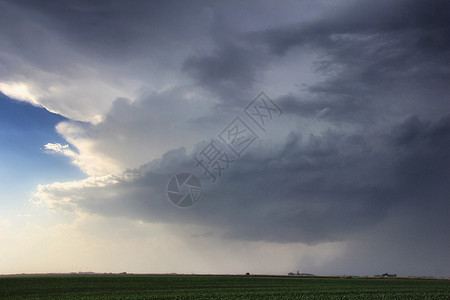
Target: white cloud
(57, 147)
(91, 163)
(19, 91)
(66, 194)
(83, 95)
(134, 133)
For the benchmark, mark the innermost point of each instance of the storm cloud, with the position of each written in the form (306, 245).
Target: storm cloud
(361, 154)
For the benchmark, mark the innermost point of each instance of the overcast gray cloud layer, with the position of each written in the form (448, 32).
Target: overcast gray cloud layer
(361, 155)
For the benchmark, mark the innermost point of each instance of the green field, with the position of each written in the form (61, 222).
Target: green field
(216, 287)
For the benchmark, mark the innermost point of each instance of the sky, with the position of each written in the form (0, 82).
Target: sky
(315, 136)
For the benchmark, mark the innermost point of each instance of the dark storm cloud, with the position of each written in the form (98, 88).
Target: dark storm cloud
(370, 55)
(389, 205)
(229, 72)
(332, 108)
(113, 29)
(230, 69)
(413, 237)
(424, 167)
(311, 190)
(428, 20)
(323, 187)
(385, 73)
(374, 56)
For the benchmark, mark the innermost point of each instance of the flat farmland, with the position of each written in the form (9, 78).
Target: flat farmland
(216, 287)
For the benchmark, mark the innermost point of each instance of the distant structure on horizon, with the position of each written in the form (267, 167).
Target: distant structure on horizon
(300, 274)
(386, 275)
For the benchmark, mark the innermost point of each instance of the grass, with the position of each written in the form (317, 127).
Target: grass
(216, 287)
